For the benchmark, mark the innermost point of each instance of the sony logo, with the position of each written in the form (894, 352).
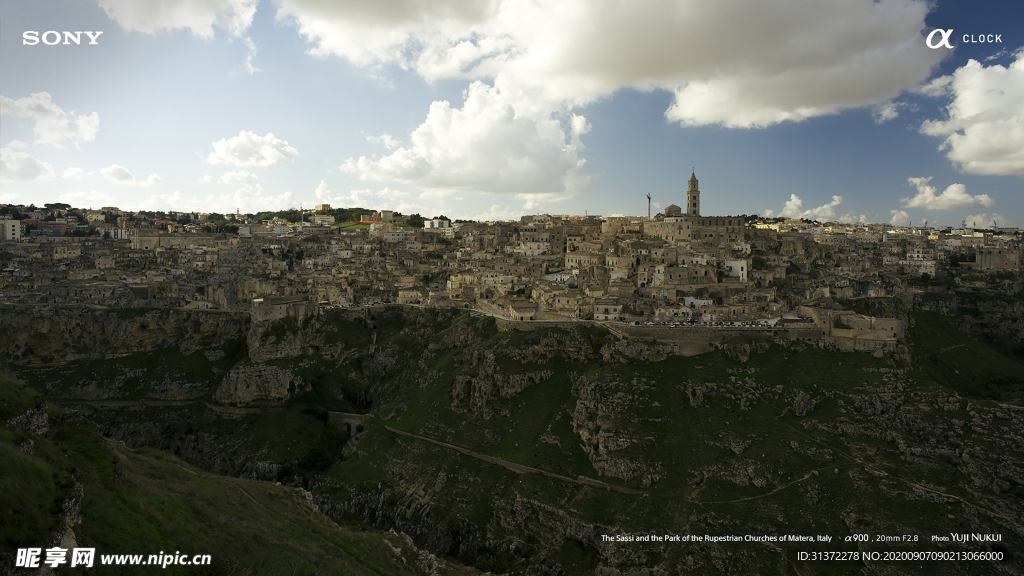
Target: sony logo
(51, 37)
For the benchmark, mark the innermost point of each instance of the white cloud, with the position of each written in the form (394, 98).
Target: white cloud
(784, 60)
(851, 219)
(73, 174)
(247, 198)
(1002, 53)
(233, 16)
(22, 167)
(986, 220)
(17, 144)
(954, 197)
(899, 218)
(385, 140)
(497, 213)
(247, 150)
(53, 125)
(794, 209)
(934, 87)
(322, 193)
(120, 175)
(383, 199)
(231, 178)
(157, 201)
(768, 213)
(240, 177)
(87, 198)
(884, 112)
(249, 67)
(489, 145)
(984, 131)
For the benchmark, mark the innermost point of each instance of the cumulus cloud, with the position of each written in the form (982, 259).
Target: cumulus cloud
(52, 125)
(17, 144)
(388, 199)
(984, 131)
(73, 174)
(384, 140)
(488, 145)
(934, 87)
(163, 201)
(120, 175)
(232, 16)
(884, 112)
(497, 213)
(22, 167)
(954, 197)
(248, 150)
(784, 61)
(231, 178)
(851, 219)
(899, 218)
(87, 198)
(240, 177)
(322, 193)
(247, 198)
(794, 209)
(384, 199)
(986, 220)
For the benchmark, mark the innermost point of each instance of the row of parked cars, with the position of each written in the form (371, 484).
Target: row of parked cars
(744, 323)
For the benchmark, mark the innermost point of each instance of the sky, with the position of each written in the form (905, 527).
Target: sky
(894, 111)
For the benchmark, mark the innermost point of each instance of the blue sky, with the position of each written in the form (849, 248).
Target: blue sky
(498, 108)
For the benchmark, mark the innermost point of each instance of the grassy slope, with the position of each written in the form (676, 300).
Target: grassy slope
(834, 471)
(969, 366)
(147, 502)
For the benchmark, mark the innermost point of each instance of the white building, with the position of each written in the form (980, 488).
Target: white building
(436, 223)
(735, 269)
(11, 230)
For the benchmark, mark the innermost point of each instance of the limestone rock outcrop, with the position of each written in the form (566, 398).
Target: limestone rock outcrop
(254, 383)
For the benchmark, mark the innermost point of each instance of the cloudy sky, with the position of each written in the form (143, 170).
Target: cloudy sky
(495, 108)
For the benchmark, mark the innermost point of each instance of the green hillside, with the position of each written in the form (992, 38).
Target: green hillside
(147, 502)
(527, 452)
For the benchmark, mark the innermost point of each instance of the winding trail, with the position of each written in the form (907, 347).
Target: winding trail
(517, 468)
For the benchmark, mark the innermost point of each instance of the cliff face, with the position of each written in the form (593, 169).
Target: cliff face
(998, 318)
(34, 337)
(247, 384)
(749, 438)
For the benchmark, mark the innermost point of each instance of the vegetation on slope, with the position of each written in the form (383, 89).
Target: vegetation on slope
(147, 502)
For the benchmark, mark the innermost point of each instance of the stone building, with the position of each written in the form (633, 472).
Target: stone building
(693, 227)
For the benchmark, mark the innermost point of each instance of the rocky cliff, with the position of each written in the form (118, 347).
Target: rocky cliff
(52, 335)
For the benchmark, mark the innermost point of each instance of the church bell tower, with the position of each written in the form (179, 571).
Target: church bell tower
(692, 197)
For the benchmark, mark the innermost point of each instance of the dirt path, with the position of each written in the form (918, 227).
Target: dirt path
(517, 468)
(157, 403)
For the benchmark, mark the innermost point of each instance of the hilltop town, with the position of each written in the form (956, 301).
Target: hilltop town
(679, 267)
(515, 396)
